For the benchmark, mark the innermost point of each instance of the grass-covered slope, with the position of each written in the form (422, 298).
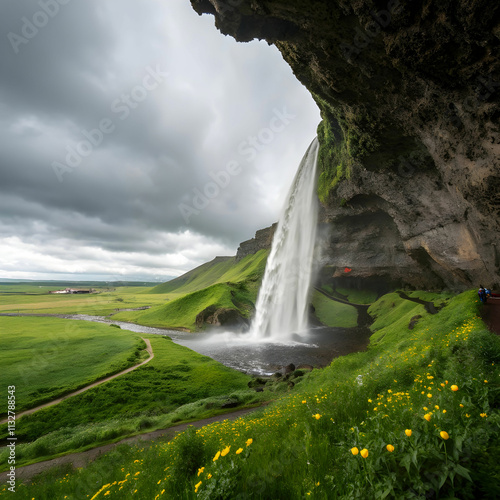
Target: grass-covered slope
(182, 312)
(223, 284)
(415, 416)
(332, 313)
(219, 270)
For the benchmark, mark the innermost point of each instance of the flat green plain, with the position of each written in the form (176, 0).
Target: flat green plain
(45, 358)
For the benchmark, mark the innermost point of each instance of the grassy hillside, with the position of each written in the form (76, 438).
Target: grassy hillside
(182, 312)
(220, 283)
(48, 357)
(219, 270)
(333, 313)
(176, 385)
(415, 416)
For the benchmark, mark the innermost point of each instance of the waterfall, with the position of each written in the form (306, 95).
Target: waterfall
(283, 302)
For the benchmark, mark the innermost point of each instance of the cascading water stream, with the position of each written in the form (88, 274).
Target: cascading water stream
(283, 303)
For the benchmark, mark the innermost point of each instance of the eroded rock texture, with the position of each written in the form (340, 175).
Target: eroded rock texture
(410, 141)
(263, 241)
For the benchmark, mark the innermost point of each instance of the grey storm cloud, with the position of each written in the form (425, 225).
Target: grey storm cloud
(136, 139)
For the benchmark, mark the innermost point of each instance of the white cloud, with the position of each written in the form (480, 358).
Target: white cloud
(117, 213)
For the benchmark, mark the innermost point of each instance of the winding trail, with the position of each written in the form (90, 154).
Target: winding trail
(364, 319)
(83, 458)
(87, 387)
(429, 306)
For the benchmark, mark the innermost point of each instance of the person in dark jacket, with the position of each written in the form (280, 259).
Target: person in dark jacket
(482, 294)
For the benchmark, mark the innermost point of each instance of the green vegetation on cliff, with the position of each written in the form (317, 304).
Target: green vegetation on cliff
(416, 414)
(334, 161)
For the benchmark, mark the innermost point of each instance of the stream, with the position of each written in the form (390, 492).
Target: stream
(317, 347)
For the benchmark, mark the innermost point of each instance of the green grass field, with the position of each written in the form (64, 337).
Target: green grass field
(48, 357)
(177, 385)
(415, 416)
(99, 304)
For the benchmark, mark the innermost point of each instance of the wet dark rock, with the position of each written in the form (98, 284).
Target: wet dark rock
(257, 382)
(414, 321)
(220, 317)
(229, 404)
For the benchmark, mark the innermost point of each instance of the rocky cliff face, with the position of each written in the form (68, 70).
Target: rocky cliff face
(263, 241)
(410, 140)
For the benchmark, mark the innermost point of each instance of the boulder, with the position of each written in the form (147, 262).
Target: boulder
(220, 317)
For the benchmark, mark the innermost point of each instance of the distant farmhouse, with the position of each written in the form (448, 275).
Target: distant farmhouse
(73, 290)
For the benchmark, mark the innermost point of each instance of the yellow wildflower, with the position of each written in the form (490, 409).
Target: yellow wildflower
(196, 486)
(454, 388)
(225, 451)
(444, 435)
(354, 451)
(364, 453)
(408, 432)
(249, 441)
(390, 448)
(200, 471)
(238, 451)
(428, 417)
(317, 416)
(217, 455)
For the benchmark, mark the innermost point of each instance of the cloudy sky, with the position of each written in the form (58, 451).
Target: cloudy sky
(136, 141)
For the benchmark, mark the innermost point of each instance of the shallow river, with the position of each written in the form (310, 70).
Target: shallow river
(317, 347)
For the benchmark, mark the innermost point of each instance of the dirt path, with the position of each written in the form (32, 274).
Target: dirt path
(364, 319)
(429, 306)
(491, 314)
(87, 387)
(83, 458)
